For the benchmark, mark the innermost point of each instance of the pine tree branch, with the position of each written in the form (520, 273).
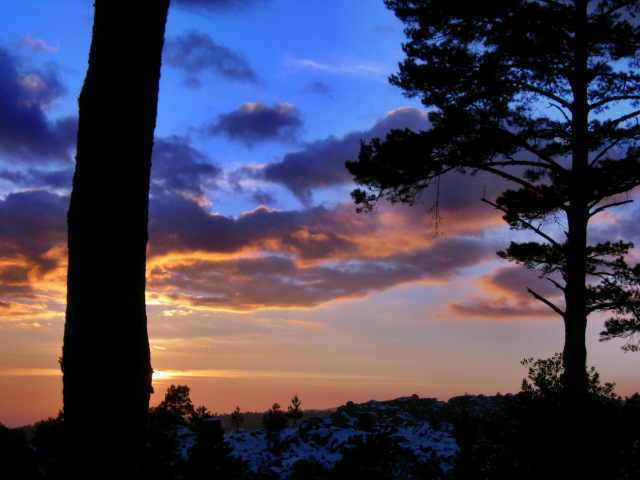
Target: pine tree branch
(604, 207)
(601, 154)
(546, 302)
(506, 176)
(527, 224)
(518, 163)
(556, 284)
(613, 99)
(544, 93)
(611, 192)
(552, 163)
(609, 306)
(613, 123)
(616, 8)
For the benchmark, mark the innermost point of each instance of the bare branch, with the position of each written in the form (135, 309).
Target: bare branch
(546, 302)
(527, 224)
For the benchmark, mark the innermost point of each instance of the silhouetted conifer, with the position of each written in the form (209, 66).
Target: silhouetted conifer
(294, 411)
(166, 423)
(485, 71)
(164, 454)
(177, 403)
(274, 422)
(198, 417)
(237, 419)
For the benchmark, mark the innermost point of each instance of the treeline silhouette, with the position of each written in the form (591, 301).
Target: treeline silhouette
(519, 440)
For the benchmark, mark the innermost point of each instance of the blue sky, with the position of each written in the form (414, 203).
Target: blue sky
(263, 282)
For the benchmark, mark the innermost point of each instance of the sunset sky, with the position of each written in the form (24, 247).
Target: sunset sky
(262, 280)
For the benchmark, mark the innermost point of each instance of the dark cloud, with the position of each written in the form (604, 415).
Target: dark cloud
(192, 82)
(254, 123)
(15, 283)
(321, 163)
(514, 281)
(13, 274)
(318, 88)
(39, 178)
(263, 198)
(179, 224)
(218, 5)
(288, 258)
(25, 94)
(31, 224)
(278, 282)
(178, 167)
(195, 52)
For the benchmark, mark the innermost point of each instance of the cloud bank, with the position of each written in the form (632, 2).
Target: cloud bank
(25, 130)
(254, 123)
(195, 52)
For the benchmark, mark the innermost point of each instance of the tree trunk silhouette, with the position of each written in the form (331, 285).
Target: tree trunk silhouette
(105, 360)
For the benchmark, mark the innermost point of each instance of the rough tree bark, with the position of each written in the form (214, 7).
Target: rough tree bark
(105, 360)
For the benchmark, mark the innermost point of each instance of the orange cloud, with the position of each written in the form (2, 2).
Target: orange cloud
(280, 281)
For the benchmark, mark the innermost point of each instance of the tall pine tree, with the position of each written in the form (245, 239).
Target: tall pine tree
(105, 355)
(485, 70)
(526, 90)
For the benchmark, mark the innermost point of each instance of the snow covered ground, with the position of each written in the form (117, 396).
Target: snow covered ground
(419, 426)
